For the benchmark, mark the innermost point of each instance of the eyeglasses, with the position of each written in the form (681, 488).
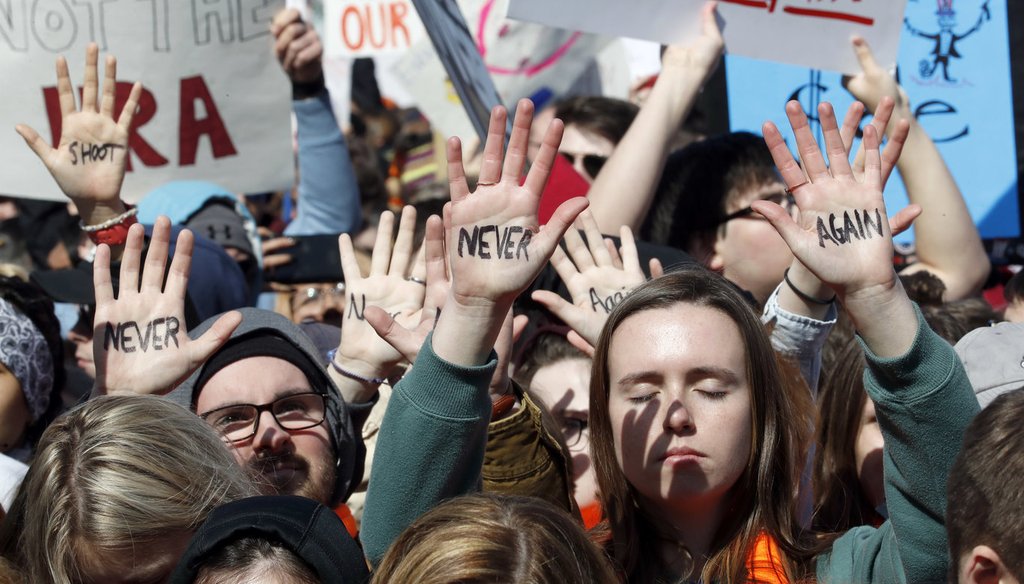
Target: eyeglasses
(572, 430)
(304, 296)
(592, 163)
(292, 412)
(783, 199)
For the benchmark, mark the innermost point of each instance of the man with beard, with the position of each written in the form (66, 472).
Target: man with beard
(277, 410)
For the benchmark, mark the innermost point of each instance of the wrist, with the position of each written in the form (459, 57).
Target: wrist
(92, 212)
(308, 86)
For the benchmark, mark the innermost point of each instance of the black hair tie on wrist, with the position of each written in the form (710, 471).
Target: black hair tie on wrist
(803, 295)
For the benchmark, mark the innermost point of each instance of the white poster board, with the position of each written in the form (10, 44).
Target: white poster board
(216, 105)
(810, 34)
(361, 28)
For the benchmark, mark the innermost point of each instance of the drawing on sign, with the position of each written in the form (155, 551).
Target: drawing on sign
(946, 39)
(528, 66)
(820, 9)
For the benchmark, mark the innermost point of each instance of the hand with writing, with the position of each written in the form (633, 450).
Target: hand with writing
(89, 162)
(842, 234)
(596, 282)
(297, 47)
(407, 341)
(495, 246)
(394, 285)
(139, 339)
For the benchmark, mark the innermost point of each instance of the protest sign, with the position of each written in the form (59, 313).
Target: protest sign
(360, 28)
(215, 104)
(954, 64)
(789, 31)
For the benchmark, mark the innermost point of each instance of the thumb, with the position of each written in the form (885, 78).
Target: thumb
(580, 343)
(578, 319)
(212, 340)
(904, 219)
(780, 220)
(394, 334)
(34, 141)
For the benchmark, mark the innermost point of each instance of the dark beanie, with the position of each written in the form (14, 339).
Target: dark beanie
(222, 224)
(259, 344)
(308, 529)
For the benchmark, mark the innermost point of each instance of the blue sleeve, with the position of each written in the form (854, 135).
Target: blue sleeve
(328, 192)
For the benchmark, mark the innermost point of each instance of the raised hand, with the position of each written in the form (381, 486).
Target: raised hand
(89, 162)
(495, 247)
(297, 46)
(873, 84)
(394, 285)
(882, 116)
(596, 276)
(139, 339)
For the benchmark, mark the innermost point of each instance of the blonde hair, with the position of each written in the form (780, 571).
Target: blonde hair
(114, 474)
(494, 539)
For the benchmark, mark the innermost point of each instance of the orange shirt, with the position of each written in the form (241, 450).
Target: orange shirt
(764, 566)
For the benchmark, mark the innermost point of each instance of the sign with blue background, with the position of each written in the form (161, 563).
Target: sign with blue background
(954, 64)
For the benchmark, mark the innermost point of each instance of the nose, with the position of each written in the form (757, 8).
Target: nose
(678, 418)
(270, 437)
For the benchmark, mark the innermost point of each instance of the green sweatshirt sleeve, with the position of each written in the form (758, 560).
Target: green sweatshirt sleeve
(430, 446)
(923, 401)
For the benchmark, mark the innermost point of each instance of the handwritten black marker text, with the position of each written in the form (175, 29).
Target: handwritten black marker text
(510, 243)
(85, 152)
(860, 226)
(157, 335)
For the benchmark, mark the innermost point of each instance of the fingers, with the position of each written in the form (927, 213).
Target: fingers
(595, 241)
(709, 21)
(894, 148)
(542, 165)
(275, 260)
(403, 253)
(630, 256)
(213, 339)
(349, 266)
(181, 263)
(565, 269)
(156, 257)
(614, 253)
(65, 91)
(457, 186)
(577, 250)
(810, 155)
(381, 257)
(283, 18)
(34, 141)
(284, 36)
(101, 281)
(401, 339)
(129, 278)
(657, 270)
(904, 219)
(490, 168)
(109, 86)
(124, 121)
(580, 343)
(577, 318)
(851, 123)
(436, 267)
(791, 172)
(515, 159)
(838, 155)
(865, 57)
(518, 326)
(91, 84)
(872, 159)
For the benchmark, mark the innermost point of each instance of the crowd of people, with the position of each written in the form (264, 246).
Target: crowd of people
(706, 370)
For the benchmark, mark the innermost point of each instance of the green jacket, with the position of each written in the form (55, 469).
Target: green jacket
(923, 401)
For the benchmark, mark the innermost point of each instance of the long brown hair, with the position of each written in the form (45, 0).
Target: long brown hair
(763, 498)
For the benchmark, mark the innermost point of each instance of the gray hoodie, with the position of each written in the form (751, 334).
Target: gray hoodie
(343, 421)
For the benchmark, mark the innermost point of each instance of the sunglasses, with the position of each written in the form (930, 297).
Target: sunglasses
(592, 163)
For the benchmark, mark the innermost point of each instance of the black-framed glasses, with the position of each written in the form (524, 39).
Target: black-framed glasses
(592, 163)
(297, 411)
(783, 199)
(572, 431)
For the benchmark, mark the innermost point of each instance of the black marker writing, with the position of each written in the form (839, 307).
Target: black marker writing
(158, 335)
(506, 247)
(353, 308)
(606, 304)
(83, 152)
(865, 228)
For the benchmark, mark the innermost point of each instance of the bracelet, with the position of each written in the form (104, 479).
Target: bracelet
(122, 218)
(803, 295)
(344, 373)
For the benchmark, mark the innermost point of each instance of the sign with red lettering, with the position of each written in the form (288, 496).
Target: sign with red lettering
(799, 32)
(215, 104)
(355, 28)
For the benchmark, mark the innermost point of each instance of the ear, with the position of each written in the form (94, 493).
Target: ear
(703, 247)
(982, 565)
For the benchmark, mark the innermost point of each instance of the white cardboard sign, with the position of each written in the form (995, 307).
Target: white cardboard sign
(216, 105)
(810, 33)
(359, 28)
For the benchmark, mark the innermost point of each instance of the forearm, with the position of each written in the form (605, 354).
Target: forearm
(947, 240)
(623, 190)
(884, 317)
(466, 331)
(328, 192)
